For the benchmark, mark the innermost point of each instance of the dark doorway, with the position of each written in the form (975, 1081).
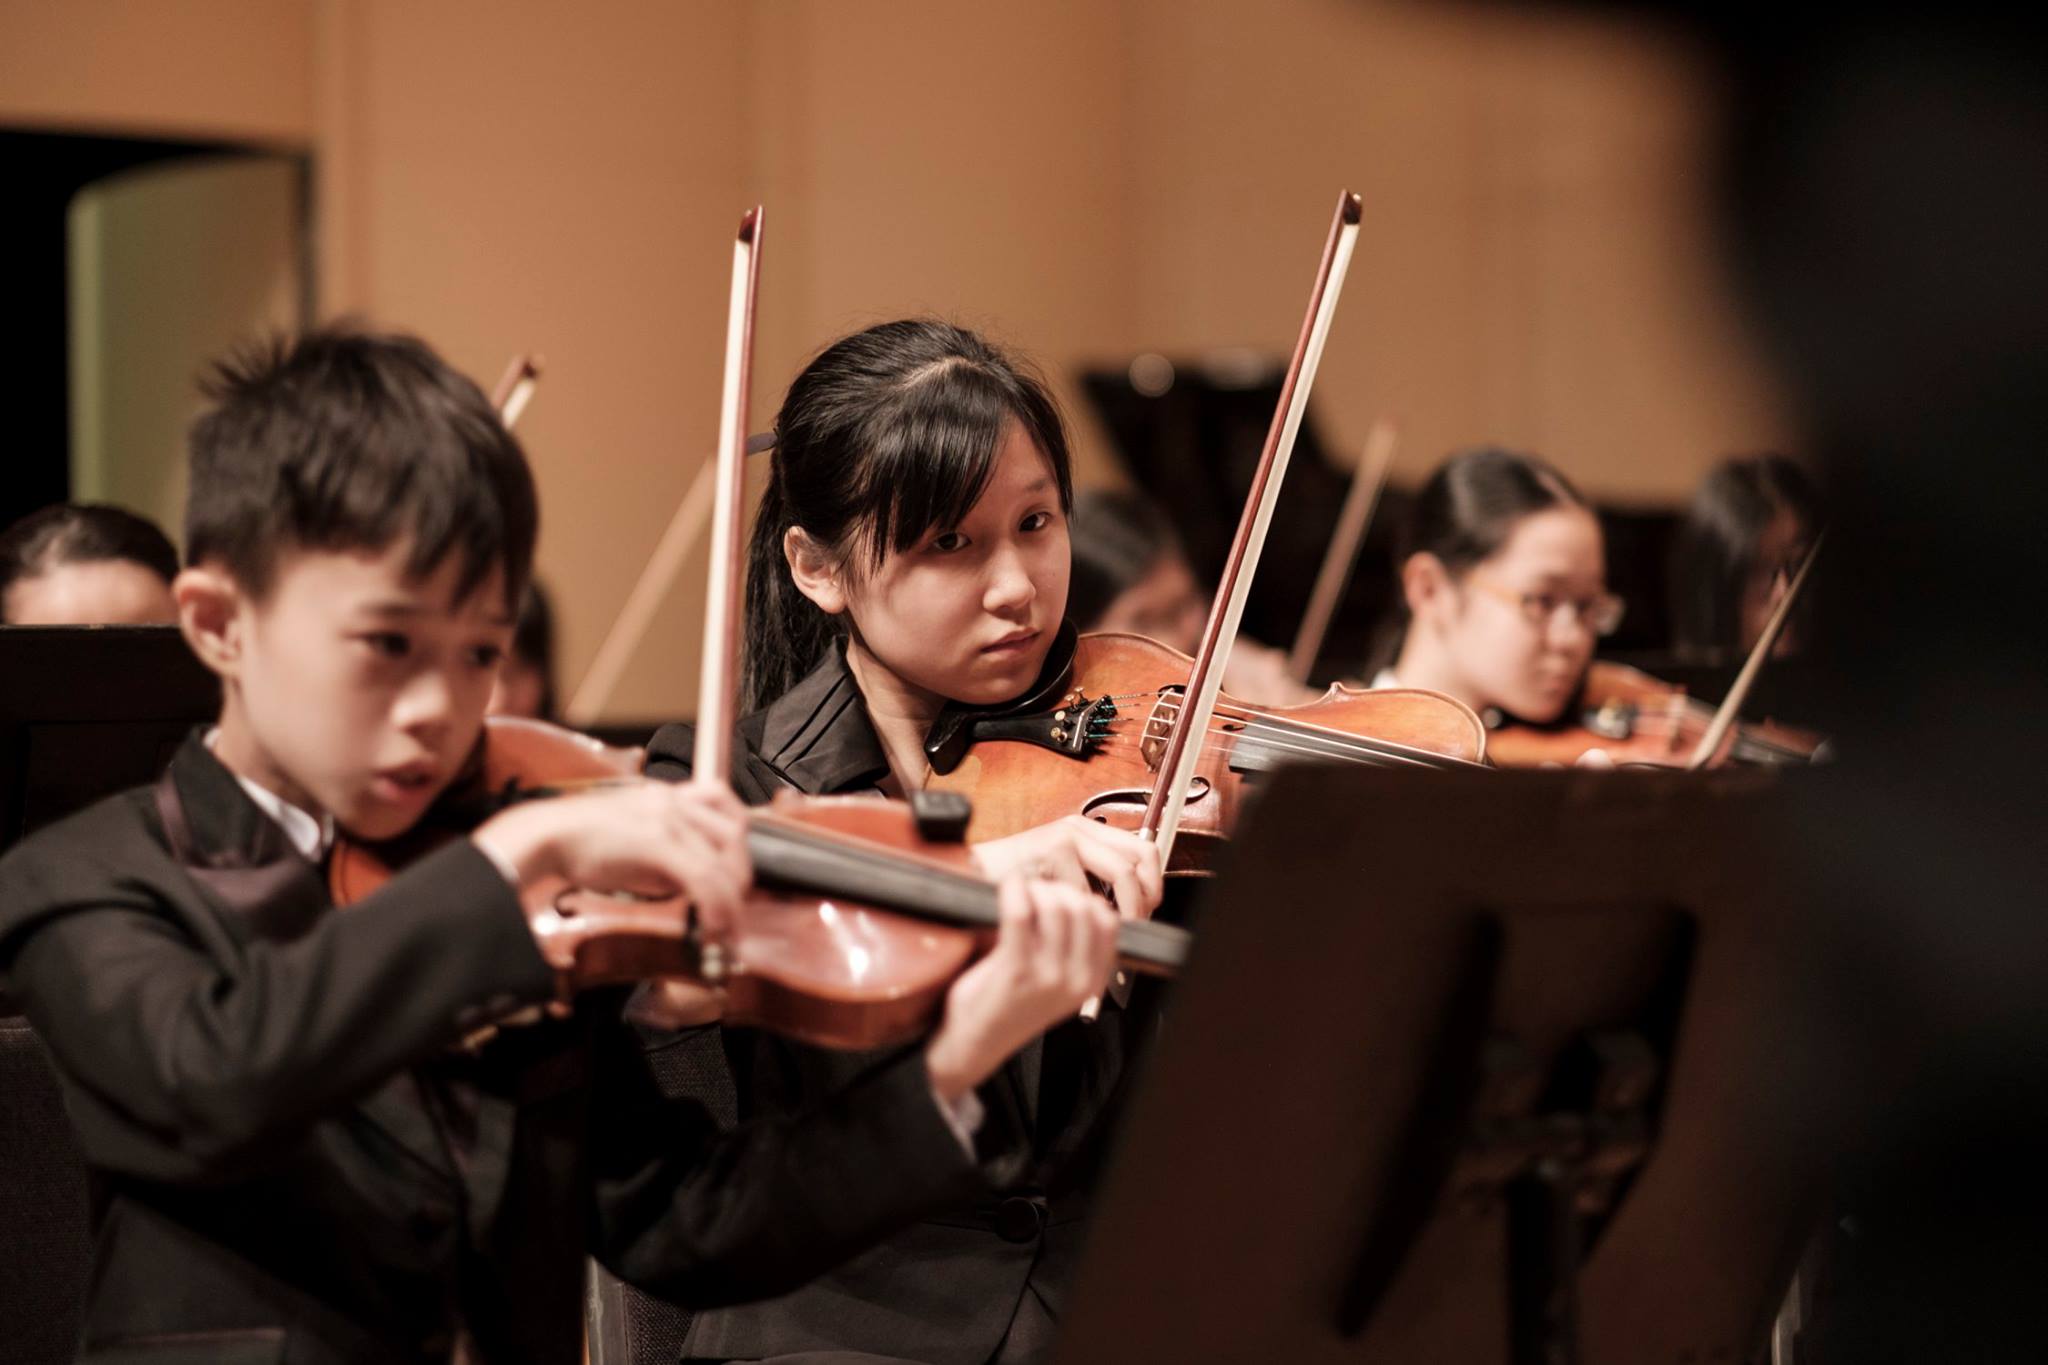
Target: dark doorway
(44, 171)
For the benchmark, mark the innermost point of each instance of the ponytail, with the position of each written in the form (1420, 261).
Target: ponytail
(786, 633)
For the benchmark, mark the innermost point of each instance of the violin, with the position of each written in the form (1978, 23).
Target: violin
(1638, 719)
(857, 923)
(857, 926)
(1132, 733)
(1090, 737)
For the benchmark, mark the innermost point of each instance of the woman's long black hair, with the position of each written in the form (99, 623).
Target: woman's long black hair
(886, 435)
(1467, 511)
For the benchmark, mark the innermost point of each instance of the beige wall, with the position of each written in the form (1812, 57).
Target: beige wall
(1531, 269)
(238, 70)
(1082, 178)
(570, 185)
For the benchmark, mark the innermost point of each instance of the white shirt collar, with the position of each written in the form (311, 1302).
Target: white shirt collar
(1384, 678)
(310, 836)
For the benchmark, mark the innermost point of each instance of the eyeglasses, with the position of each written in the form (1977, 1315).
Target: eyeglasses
(1600, 613)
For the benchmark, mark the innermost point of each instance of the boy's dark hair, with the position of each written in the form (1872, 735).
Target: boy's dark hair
(346, 439)
(82, 533)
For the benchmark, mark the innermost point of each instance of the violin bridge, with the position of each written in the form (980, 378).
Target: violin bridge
(1159, 728)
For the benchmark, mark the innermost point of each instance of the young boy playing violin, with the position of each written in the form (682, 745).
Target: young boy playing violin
(294, 1153)
(911, 553)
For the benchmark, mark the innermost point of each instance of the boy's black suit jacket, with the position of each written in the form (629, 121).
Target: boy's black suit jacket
(292, 1158)
(945, 1289)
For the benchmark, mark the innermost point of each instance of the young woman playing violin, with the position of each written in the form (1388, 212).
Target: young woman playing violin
(911, 550)
(1504, 582)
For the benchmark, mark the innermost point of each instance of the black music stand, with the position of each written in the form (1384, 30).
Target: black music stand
(1474, 1067)
(86, 711)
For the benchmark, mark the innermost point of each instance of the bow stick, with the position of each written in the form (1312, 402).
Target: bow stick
(717, 694)
(1198, 705)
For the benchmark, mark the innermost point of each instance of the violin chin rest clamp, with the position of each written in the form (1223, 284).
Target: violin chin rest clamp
(941, 816)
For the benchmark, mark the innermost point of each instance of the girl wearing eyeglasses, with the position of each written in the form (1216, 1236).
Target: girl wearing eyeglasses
(1504, 583)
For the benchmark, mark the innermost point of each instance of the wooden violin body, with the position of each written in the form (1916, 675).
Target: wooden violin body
(825, 969)
(1102, 761)
(855, 929)
(1635, 718)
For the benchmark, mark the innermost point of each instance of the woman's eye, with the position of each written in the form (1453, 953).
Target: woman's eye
(1037, 521)
(946, 542)
(388, 644)
(486, 656)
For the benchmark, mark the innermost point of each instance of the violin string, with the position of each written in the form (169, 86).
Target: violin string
(1388, 749)
(1266, 725)
(1224, 741)
(1304, 739)
(1342, 753)
(1218, 750)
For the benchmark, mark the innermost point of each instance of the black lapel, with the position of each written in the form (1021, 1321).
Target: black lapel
(818, 736)
(242, 858)
(234, 851)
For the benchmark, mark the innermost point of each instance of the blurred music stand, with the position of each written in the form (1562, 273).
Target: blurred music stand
(1474, 1067)
(86, 711)
(1191, 436)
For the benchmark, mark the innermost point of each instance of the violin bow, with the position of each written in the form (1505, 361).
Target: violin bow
(718, 678)
(1341, 556)
(1205, 681)
(1738, 692)
(515, 388)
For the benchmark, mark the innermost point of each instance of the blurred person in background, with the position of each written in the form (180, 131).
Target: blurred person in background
(1748, 529)
(526, 679)
(86, 564)
(1503, 588)
(1131, 574)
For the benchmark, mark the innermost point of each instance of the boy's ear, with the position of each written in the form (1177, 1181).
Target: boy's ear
(1424, 582)
(813, 572)
(209, 613)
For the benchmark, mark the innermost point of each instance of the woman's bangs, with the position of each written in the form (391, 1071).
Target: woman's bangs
(933, 458)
